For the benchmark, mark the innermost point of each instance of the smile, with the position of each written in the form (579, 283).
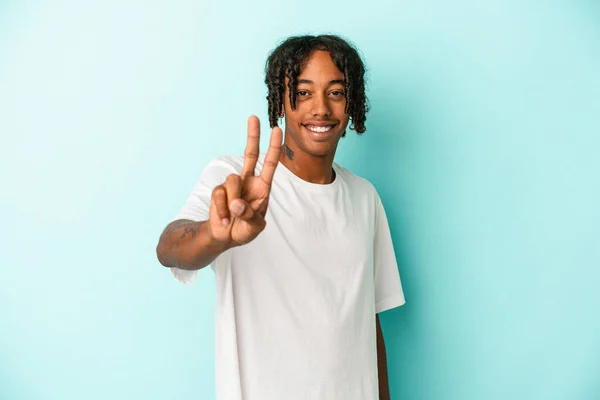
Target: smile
(319, 129)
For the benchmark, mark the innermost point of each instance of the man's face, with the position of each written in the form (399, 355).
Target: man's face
(319, 120)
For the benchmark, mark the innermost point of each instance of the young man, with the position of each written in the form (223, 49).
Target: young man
(300, 246)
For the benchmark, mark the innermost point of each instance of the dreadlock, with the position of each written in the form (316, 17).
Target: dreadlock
(288, 59)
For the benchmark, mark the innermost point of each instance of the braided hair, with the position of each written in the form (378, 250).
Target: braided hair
(288, 59)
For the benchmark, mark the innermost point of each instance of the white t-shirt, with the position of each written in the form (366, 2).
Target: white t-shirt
(295, 310)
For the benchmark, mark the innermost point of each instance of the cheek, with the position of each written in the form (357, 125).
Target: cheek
(293, 120)
(340, 109)
(345, 118)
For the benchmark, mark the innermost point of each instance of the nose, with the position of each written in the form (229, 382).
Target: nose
(320, 106)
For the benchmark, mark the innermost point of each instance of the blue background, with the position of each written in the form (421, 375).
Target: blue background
(482, 141)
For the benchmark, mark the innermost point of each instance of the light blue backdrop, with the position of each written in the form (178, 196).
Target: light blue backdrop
(482, 140)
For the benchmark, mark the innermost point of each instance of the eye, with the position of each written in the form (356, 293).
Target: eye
(338, 93)
(302, 93)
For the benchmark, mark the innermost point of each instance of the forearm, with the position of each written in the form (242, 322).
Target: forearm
(188, 245)
(384, 388)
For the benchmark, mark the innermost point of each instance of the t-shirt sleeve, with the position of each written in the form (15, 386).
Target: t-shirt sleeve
(197, 204)
(388, 288)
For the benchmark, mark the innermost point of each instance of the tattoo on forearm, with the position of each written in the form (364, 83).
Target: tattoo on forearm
(288, 152)
(190, 227)
(189, 230)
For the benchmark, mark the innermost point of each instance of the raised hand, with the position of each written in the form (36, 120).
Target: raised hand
(239, 205)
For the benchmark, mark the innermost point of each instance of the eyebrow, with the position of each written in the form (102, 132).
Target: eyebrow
(342, 81)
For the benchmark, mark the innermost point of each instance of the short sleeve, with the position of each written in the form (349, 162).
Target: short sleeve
(197, 204)
(388, 288)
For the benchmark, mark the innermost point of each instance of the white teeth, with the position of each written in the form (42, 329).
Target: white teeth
(319, 129)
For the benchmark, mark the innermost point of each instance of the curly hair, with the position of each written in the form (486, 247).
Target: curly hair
(288, 59)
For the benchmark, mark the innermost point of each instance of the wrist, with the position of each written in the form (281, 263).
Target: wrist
(217, 244)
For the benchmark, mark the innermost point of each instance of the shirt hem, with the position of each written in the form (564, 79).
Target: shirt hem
(184, 276)
(387, 304)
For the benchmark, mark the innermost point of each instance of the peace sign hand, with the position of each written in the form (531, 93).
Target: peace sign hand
(239, 205)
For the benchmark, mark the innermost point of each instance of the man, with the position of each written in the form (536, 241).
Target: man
(300, 246)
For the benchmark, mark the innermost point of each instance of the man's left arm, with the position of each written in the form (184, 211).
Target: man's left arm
(384, 387)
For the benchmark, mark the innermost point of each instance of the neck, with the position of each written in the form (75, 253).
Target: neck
(311, 168)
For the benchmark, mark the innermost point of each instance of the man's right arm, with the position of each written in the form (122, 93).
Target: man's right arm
(188, 245)
(233, 219)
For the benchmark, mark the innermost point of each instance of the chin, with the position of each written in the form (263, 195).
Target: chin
(320, 149)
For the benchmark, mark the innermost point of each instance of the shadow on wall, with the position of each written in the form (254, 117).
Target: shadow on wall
(11, 387)
(592, 386)
(388, 156)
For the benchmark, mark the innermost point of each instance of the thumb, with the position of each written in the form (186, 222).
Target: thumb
(241, 209)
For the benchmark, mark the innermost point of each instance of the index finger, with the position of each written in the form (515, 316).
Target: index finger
(272, 157)
(252, 147)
